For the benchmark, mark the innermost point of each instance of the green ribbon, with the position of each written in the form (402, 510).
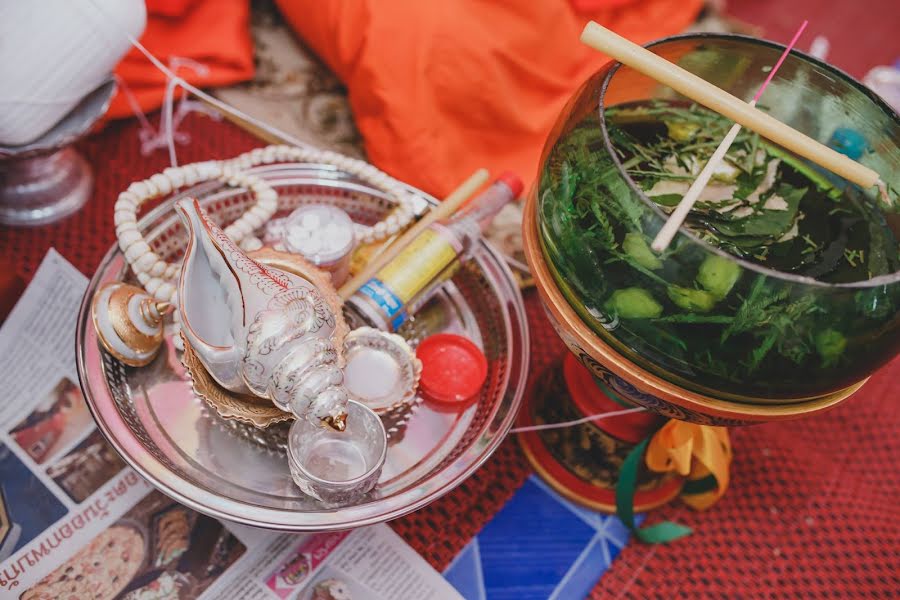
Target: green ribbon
(700, 486)
(627, 485)
(659, 533)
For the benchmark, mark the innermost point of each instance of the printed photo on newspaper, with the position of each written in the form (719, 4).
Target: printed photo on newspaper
(77, 522)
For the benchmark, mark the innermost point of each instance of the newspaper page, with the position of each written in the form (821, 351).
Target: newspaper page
(76, 522)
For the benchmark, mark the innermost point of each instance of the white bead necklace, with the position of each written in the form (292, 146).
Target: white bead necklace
(159, 277)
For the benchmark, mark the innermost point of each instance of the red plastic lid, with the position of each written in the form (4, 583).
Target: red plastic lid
(513, 181)
(453, 368)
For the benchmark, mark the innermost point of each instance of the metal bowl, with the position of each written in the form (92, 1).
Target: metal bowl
(47, 179)
(236, 472)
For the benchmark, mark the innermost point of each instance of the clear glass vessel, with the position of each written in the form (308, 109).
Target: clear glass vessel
(705, 319)
(338, 467)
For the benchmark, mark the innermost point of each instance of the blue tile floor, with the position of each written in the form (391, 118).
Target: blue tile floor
(538, 546)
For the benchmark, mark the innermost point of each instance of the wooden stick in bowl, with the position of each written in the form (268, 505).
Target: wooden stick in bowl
(440, 212)
(720, 101)
(677, 217)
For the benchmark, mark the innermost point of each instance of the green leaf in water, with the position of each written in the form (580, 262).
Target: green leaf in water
(760, 352)
(636, 247)
(604, 227)
(808, 171)
(692, 300)
(768, 223)
(633, 303)
(830, 345)
(667, 199)
(755, 310)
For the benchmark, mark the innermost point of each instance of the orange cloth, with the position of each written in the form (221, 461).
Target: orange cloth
(439, 89)
(215, 33)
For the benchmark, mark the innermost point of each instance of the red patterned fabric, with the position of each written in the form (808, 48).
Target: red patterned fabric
(812, 510)
(115, 156)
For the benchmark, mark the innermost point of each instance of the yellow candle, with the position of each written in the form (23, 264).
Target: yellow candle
(442, 211)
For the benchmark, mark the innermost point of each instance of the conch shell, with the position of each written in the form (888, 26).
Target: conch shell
(258, 329)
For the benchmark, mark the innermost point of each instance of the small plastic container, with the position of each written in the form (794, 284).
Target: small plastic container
(338, 467)
(323, 234)
(453, 368)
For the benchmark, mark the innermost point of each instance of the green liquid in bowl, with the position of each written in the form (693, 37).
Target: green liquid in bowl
(785, 288)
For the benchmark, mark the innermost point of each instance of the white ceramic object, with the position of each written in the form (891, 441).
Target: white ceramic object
(257, 329)
(156, 275)
(53, 53)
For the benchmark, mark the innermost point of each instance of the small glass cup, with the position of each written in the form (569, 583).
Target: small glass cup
(338, 467)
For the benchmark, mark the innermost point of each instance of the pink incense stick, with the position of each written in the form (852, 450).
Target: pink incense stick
(781, 58)
(670, 227)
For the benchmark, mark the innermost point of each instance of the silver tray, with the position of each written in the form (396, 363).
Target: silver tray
(232, 471)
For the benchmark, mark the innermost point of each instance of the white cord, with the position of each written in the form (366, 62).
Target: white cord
(166, 121)
(226, 108)
(597, 417)
(194, 90)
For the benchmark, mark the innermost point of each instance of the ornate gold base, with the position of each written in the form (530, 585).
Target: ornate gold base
(228, 405)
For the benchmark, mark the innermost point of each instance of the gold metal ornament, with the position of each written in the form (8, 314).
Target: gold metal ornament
(129, 322)
(338, 423)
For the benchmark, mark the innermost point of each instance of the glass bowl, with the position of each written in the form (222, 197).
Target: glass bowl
(775, 337)
(338, 467)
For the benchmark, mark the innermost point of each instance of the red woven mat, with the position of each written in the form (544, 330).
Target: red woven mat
(813, 506)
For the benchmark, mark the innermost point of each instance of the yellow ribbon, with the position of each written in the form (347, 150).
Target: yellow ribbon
(695, 452)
